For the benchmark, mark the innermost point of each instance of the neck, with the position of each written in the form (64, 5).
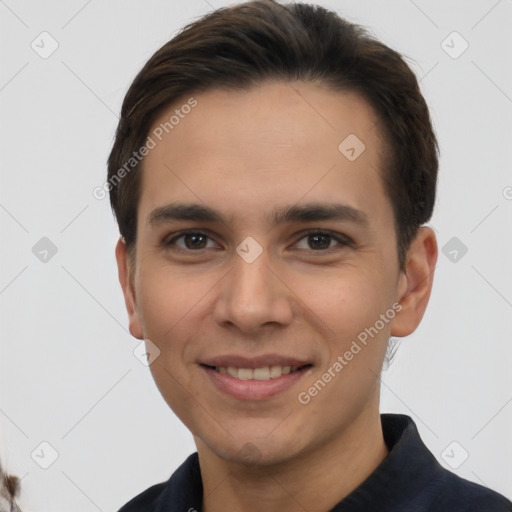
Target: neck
(315, 481)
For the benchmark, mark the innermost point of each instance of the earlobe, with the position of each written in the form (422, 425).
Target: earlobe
(126, 282)
(415, 283)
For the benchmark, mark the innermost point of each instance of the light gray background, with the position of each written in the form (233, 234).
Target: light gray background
(68, 374)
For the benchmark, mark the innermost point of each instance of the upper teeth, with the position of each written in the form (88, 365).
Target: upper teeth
(263, 373)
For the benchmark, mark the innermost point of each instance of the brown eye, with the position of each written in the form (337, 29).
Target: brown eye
(190, 241)
(320, 241)
(195, 240)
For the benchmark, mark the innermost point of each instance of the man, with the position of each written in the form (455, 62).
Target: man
(272, 173)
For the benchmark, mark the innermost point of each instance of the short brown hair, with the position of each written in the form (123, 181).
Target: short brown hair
(247, 44)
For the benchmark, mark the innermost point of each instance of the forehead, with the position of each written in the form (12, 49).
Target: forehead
(255, 147)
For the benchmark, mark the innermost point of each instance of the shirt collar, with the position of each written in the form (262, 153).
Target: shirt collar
(400, 478)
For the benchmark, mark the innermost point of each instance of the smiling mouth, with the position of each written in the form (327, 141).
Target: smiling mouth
(262, 373)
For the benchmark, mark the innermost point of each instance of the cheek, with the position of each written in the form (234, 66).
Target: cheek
(169, 304)
(168, 299)
(347, 302)
(355, 342)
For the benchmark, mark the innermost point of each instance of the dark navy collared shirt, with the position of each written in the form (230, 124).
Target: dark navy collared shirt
(409, 479)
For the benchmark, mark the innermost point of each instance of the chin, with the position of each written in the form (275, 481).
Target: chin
(254, 451)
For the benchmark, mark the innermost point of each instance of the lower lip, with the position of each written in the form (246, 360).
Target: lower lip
(253, 389)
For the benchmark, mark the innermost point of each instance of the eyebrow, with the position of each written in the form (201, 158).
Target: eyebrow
(296, 213)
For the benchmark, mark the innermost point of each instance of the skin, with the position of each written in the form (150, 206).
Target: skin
(244, 154)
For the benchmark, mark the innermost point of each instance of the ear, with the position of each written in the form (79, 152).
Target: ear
(125, 278)
(415, 283)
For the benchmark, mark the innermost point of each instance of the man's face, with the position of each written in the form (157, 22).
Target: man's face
(246, 287)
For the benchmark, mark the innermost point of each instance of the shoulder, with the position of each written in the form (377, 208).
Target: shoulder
(423, 484)
(146, 501)
(183, 489)
(456, 493)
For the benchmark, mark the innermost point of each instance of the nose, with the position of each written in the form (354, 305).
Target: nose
(253, 295)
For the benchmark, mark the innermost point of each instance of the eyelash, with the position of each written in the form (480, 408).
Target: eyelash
(343, 241)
